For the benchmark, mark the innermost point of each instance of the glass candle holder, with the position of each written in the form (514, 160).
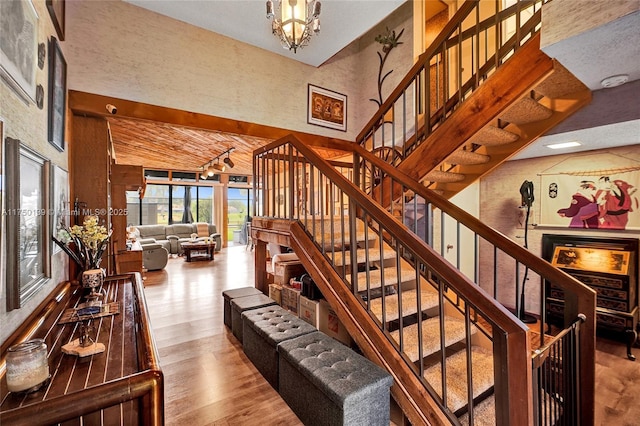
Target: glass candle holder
(27, 366)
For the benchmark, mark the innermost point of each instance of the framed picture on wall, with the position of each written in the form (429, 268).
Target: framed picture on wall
(327, 108)
(60, 204)
(19, 47)
(56, 11)
(57, 94)
(591, 191)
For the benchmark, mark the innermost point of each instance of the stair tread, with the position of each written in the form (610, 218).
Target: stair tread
(484, 413)
(443, 177)
(428, 300)
(526, 110)
(454, 332)
(407, 274)
(467, 158)
(361, 256)
(336, 238)
(491, 136)
(482, 367)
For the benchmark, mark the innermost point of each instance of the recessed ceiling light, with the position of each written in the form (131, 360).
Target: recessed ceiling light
(614, 81)
(563, 145)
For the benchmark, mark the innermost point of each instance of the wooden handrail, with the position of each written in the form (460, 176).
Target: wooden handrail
(422, 62)
(511, 337)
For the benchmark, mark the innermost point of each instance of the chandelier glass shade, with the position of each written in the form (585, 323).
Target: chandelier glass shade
(294, 21)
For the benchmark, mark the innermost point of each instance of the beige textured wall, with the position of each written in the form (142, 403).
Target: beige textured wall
(24, 121)
(562, 19)
(116, 49)
(120, 50)
(499, 201)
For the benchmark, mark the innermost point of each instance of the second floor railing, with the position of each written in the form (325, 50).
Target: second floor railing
(475, 42)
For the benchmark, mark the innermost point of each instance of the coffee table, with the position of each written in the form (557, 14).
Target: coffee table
(203, 250)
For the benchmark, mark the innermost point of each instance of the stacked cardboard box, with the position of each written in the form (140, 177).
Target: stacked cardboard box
(291, 299)
(285, 270)
(275, 292)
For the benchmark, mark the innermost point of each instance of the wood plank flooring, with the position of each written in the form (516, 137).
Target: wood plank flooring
(209, 380)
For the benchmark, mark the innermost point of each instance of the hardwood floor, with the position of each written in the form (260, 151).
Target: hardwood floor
(209, 380)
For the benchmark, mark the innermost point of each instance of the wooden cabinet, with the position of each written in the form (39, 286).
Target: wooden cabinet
(90, 172)
(99, 185)
(123, 178)
(607, 265)
(129, 260)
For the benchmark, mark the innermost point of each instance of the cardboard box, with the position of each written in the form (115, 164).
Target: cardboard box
(310, 311)
(331, 325)
(284, 271)
(275, 292)
(291, 299)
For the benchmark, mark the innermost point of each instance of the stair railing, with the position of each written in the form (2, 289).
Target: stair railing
(475, 42)
(293, 183)
(343, 224)
(556, 379)
(489, 259)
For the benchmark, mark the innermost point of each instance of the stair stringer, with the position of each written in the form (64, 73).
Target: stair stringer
(523, 72)
(410, 394)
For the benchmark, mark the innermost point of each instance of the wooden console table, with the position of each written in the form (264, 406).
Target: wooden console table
(123, 385)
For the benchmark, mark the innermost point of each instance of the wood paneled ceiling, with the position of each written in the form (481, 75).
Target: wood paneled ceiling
(156, 145)
(163, 138)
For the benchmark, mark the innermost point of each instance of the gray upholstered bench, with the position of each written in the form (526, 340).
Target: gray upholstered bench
(263, 330)
(232, 294)
(327, 383)
(241, 304)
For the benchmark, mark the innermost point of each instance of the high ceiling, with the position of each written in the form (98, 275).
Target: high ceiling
(610, 50)
(342, 21)
(147, 143)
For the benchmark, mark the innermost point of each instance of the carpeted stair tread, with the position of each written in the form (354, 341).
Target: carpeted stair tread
(526, 110)
(467, 158)
(560, 83)
(407, 274)
(443, 177)
(493, 136)
(484, 413)
(361, 256)
(428, 300)
(336, 238)
(482, 368)
(454, 332)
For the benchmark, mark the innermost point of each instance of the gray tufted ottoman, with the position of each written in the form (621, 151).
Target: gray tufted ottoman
(232, 294)
(263, 330)
(241, 304)
(326, 383)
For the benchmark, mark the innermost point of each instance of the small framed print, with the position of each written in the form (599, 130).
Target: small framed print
(56, 11)
(327, 108)
(19, 47)
(57, 94)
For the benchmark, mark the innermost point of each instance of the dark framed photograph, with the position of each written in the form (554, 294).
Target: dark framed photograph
(57, 94)
(327, 108)
(56, 11)
(60, 205)
(19, 47)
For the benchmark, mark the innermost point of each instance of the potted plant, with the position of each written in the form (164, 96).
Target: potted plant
(85, 244)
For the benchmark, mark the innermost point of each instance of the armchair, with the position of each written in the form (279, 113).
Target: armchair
(154, 256)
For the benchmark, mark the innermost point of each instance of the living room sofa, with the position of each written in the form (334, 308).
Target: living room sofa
(171, 236)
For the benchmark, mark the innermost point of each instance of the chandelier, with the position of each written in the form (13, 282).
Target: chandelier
(296, 21)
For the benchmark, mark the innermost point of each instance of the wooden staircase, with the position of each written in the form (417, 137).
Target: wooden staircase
(391, 292)
(456, 354)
